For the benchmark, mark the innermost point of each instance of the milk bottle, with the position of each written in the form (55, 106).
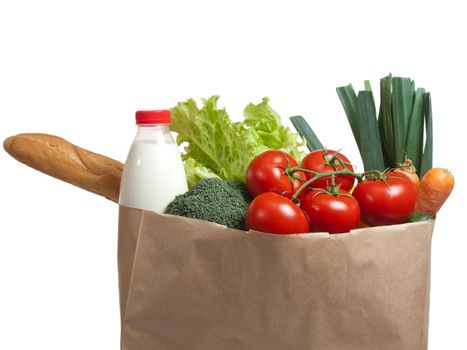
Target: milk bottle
(153, 174)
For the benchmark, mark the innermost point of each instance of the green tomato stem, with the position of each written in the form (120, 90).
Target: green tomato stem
(375, 174)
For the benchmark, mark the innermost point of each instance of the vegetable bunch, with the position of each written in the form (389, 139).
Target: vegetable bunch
(215, 200)
(294, 192)
(315, 196)
(404, 120)
(214, 146)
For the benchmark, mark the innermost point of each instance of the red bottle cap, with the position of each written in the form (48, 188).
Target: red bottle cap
(153, 117)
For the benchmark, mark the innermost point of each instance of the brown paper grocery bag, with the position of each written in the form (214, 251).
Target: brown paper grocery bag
(188, 284)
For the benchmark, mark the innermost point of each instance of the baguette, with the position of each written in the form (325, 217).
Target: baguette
(59, 158)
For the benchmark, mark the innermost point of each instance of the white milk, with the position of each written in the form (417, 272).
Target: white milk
(153, 174)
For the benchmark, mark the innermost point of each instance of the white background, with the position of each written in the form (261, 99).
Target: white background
(80, 69)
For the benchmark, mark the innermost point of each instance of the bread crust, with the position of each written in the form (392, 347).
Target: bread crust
(61, 159)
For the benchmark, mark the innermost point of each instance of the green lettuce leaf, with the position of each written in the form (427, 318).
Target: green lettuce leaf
(196, 171)
(269, 128)
(251, 138)
(214, 146)
(211, 138)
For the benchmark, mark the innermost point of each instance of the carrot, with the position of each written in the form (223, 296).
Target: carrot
(435, 187)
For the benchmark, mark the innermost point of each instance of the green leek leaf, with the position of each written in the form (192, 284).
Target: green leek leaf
(414, 144)
(427, 158)
(402, 101)
(385, 122)
(306, 133)
(370, 150)
(349, 102)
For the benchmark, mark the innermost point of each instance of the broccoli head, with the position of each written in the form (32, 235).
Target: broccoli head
(222, 201)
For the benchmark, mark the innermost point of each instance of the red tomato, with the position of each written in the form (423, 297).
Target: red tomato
(331, 213)
(386, 203)
(322, 161)
(273, 213)
(266, 174)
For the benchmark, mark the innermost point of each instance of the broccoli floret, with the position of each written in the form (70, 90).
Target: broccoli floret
(213, 199)
(240, 187)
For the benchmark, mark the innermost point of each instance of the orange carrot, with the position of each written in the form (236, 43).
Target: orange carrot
(435, 187)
